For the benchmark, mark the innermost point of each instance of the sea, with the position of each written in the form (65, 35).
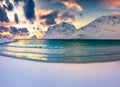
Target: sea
(63, 51)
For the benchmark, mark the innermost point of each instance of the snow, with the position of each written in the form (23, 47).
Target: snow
(5, 40)
(34, 38)
(60, 31)
(105, 27)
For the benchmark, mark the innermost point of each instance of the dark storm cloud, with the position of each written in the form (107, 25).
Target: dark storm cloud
(50, 18)
(29, 9)
(1, 0)
(16, 2)
(18, 31)
(67, 15)
(16, 18)
(8, 6)
(3, 15)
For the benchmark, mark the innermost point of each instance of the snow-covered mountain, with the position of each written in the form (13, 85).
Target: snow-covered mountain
(60, 31)
(5, 40)
(105, 27)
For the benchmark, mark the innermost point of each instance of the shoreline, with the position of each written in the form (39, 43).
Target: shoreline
(85, 61)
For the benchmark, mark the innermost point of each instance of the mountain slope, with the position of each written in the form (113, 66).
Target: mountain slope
(60, 31)
(105, 27)
(5, 40)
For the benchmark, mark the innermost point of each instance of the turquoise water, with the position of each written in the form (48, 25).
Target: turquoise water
(63, 51)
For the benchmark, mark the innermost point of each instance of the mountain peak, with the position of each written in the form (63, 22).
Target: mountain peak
(63, 24)
(115, 15)
(104, 27)
(63, 30)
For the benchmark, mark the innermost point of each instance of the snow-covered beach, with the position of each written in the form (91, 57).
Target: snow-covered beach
(25, 73)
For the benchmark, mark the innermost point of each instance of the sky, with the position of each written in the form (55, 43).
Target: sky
(49, 12)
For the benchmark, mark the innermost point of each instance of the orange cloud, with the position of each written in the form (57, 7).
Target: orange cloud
(73, 5)
(113, 4)
(7, 34)
(40, 12)
(70, 4)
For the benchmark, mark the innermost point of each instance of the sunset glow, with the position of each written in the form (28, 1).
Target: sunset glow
(41, 14)
(113, 4)
(73, 5)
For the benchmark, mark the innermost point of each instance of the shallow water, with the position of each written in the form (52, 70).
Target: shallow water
(63, 51)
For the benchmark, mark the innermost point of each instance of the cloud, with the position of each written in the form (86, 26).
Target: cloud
(23, 8)
(70, 4)
(40, 12)
(50, 18)
(8, 6)
(29, 11)
(1, 0)
(67, 15)
(16, 2)
(16, 18)
(3, 15)
(112, 4)
(73, 5)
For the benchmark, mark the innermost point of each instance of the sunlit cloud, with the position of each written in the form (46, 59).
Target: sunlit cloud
(73, 5)
(39, 12)
(70, 4)
(112, 4)
(21, 12)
